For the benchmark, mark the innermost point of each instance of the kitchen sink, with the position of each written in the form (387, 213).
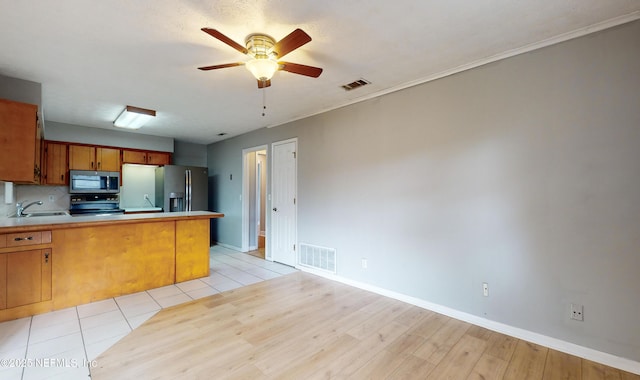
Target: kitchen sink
(43, 213)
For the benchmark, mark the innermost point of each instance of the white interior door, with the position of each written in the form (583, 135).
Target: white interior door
(283, 202)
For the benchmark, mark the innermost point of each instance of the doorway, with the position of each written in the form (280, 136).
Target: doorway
(254, 200)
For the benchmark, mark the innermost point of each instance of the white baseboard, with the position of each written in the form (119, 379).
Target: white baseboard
(516, 332)
(233, 247)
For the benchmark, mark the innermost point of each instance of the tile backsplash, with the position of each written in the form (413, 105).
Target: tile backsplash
(139, 180)
(54, 198)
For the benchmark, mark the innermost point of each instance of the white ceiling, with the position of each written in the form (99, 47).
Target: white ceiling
(95, 57)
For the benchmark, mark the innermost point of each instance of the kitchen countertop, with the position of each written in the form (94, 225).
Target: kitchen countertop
(66, 221)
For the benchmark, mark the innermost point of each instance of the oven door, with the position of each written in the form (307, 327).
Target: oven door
(84, 181)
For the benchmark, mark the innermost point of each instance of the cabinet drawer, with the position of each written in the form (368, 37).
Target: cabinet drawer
(28, 238)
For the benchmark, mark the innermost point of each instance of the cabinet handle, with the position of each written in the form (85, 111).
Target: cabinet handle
(98, 164)
(23, 238)
(62, 177)
(91, 164)
(46, 257)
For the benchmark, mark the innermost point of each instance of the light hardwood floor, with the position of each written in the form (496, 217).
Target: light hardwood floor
(301, 326)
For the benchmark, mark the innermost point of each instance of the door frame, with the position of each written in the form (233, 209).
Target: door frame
(246, 199)
(270, 163)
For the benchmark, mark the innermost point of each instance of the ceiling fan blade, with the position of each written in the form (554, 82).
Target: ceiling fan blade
(291, 42)
(223, 66)
(214, 33)
(297, 68)
(263, 84)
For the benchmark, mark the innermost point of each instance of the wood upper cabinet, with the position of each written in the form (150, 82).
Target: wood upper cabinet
(145, 157)
(108, 159)
(134, 157)
(86, 157)
(55, 164)
(20, 142)
(158, 158)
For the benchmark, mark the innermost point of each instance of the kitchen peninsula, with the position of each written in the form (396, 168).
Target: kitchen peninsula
(54, 262)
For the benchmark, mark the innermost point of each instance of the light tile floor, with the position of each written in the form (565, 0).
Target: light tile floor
(60, 344)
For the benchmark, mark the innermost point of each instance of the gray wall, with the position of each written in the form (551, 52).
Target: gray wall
(189, 154)
(101, 136)
(524, 174)
(20, 90)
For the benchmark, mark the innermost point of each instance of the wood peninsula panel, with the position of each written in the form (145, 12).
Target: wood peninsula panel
(99, 262)
(3, 281)
(192, 249)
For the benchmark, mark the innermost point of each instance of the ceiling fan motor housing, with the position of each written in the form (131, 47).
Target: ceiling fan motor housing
(260, 46)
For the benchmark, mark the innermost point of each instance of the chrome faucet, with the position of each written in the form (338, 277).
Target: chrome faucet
(20, 208)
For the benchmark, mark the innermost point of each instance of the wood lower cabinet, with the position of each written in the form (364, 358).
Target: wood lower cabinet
(25, 269)
(97, 260)
(20, 142)
(28, 277)
(55, 165)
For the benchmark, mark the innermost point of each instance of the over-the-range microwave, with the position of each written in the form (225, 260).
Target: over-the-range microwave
(89, 181)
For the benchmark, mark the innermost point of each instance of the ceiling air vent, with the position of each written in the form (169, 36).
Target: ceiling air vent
(353, 85)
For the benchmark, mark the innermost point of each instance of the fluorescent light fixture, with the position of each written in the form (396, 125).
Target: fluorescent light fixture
(133, 117)
(262, 68)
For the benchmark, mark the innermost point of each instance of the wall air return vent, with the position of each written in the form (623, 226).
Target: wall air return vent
(317, 257)
(353, 85)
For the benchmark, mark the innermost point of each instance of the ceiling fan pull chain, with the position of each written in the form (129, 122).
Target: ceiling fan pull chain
(264, 101)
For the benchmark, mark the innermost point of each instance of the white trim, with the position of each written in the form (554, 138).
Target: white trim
(483, 61)
(229, 246)
(547, 341)
(245, 195)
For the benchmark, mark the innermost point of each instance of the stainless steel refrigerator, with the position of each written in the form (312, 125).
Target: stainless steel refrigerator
(182, 188)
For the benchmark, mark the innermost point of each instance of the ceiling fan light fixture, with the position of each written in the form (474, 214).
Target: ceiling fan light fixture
(133, 117)
(262, 68)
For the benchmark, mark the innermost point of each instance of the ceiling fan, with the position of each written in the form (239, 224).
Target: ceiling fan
(265, 52)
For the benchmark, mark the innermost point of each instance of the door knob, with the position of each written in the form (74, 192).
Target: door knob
(275, 209)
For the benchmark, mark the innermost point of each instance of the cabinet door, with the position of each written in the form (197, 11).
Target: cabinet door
(24, 278)
(158, 158)
(39, 147)
(82, 157)
(55, 164)
(3, 281)
(134, 157)
(18, 132)
(108, 159)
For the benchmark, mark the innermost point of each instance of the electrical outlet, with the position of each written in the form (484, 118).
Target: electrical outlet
(485, 289)
(576, 312)
(364, 263)
(52, 198)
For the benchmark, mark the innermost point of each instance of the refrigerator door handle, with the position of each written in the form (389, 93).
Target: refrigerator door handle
(188, 189)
